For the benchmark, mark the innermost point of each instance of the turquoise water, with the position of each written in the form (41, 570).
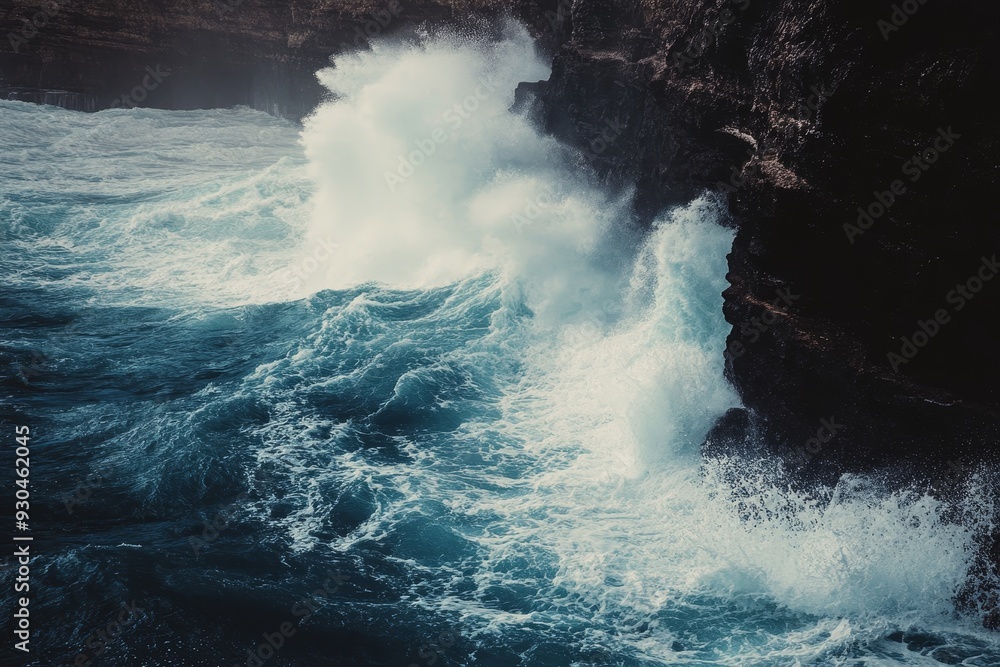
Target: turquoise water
(472, 400)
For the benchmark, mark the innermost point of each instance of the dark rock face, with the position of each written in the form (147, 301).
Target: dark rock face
(855, 141)
(859, 157)
(799, 111)
(802, 112)
(194, 54)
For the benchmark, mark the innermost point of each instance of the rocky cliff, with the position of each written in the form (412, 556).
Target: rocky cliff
(858, 154)
(186, 54)
(855, 142)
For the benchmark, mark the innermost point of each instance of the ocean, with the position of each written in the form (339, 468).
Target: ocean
(407, 385)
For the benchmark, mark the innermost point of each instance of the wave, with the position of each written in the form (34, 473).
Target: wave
(421, 341)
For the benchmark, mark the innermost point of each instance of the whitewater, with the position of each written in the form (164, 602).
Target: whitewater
(416, 342)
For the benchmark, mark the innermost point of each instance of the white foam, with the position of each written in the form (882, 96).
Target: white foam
(617, 416)
(154, 207)
(489, 193)
(622, 372)
(617, 346)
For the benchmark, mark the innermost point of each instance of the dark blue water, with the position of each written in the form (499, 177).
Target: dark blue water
(260, 448)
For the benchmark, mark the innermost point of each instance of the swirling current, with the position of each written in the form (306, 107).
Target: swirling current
(405, 385)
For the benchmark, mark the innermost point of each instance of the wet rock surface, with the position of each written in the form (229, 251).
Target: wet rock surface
(850, 301)
(208, 53)
(855, 142)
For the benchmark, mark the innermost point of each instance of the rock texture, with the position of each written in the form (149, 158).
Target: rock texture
(215, 53)
(810, 115)
(800, 112)
(797, 111)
